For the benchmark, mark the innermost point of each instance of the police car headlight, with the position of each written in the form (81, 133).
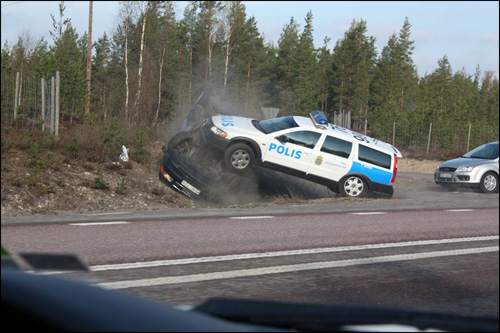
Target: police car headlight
(218, 131)
(465, 169)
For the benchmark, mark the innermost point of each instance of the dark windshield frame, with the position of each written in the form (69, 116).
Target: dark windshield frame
(275, 124)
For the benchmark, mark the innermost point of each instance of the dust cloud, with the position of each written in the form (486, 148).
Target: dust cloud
(226, 188)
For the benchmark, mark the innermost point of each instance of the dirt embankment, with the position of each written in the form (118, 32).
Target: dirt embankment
(414, 165)
(74, 187)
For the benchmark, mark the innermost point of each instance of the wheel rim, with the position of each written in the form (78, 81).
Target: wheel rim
(240, 159)
(353, 186)
(490, 183)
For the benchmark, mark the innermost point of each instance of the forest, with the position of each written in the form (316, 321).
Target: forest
(151, 68)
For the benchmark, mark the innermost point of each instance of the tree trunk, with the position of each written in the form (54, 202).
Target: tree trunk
(227, 58)
(126, 66)
(89, 59)
(139, 85)
(248, 83)
(159, 88)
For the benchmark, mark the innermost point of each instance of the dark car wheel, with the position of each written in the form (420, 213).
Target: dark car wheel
(184, 142)
(489, 182)
(239, 158)
(353, 186)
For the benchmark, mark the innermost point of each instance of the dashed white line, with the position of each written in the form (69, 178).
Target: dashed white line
(459, 210)
(250, 217)
(98, 223)
(368, 213)
(115, 213)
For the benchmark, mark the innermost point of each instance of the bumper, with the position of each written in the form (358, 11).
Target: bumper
(382, 189)
(178, 175)
(456, 178)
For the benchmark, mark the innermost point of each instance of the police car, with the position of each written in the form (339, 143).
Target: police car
(347, 162)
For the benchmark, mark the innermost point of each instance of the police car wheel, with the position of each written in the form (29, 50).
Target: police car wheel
(239, 158)
(489, 182)
(353, 186)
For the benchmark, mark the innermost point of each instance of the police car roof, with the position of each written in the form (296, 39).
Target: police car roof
(347, 134)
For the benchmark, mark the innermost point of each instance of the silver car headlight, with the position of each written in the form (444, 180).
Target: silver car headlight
(218, 131)
(465, 169)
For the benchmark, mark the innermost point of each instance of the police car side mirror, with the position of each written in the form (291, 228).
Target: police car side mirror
(282, 139)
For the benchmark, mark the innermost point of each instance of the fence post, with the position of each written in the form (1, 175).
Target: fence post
(468, 137)
(52, 104)
(429, 140)
(393, 132)
(15, 97)
(43, 104)
(57, 104)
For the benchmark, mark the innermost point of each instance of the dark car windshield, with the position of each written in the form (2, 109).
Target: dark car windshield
(488, 151)
(274, 125)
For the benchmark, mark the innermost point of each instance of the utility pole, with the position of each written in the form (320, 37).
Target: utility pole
(89, 58)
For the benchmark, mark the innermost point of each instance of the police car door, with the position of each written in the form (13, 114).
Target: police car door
(333, 160)
(293, 149)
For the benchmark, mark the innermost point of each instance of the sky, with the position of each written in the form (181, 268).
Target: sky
(467, 32)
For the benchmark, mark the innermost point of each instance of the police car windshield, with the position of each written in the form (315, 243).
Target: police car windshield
(276, 124)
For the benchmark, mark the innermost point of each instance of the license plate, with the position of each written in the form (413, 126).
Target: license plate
(190, 187)
(445, 175)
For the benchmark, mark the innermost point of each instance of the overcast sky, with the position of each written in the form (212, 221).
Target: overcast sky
(467, 32)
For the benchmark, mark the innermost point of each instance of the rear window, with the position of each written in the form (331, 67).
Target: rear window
(374, 157)
(337, 147)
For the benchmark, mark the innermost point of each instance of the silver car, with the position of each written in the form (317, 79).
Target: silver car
(478, 168)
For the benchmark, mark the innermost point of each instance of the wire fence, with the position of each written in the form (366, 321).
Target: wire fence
(448, 136)
(30, 103)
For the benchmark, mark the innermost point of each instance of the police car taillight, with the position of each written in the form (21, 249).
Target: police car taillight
(395, 169)
(319, 120)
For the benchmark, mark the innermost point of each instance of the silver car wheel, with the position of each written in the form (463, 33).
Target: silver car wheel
(353, 186)
(240, 159)
(490, 183)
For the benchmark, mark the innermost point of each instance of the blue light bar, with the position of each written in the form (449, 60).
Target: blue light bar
(318, 118)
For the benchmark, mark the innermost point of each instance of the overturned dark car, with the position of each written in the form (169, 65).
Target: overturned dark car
(194, 171)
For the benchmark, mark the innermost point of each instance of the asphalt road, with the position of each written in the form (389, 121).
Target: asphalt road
(425, 249)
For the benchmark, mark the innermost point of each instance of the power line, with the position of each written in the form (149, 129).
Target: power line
(11, 4)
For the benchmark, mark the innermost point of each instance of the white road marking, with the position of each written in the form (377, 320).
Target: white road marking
(198, 260)
(251, 217)
(288, 268)
(98, 223)
(459, 210)
(116, 213)
(368, 213)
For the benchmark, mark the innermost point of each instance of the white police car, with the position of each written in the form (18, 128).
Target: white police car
(311, 148)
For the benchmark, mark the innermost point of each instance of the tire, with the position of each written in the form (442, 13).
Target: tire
(489, 182)
(184, 142)
(353, 187)
(239, 158)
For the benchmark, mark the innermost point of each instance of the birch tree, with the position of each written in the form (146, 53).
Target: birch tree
(141, 55)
